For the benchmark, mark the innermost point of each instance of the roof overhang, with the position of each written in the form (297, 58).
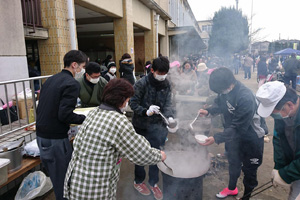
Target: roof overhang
(153, 5)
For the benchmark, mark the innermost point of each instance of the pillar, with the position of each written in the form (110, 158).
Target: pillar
(51, 51)
(164, 42)
(150, 48)
(123, 32)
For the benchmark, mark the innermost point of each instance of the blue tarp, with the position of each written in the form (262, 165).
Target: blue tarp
(286, 52)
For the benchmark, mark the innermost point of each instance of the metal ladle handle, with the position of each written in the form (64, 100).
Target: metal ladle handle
(195, 119)
(166, 120)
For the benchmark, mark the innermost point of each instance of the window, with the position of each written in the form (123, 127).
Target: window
(207, 28)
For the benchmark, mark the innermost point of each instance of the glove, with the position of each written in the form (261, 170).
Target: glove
(152, 109)
(277, 180)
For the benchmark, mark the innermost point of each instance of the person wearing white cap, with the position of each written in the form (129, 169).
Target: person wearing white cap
(283, 105)
(202, 86)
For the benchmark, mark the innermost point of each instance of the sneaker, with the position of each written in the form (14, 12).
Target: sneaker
(226, 192)
(156, 192)
(142, 188)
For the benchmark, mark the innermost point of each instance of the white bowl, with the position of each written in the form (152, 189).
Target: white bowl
(200, 138)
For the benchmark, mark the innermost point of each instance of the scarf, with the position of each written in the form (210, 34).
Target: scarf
(158, 85)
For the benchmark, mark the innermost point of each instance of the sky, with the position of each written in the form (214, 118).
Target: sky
(276, 18)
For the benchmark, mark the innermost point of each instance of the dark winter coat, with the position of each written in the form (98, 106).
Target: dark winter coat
(241, 122)
(58, 99)
(262, 69)
(291, 66)
(147, 94)
(287, 158)
(126, 70)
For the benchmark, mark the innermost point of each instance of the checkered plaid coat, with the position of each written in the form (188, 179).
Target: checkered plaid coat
(104, 137)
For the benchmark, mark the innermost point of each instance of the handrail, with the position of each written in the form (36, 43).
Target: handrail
(25, 79)
(17, 88)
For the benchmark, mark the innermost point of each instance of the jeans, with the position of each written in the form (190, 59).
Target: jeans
(156, 135)
(245, 156)
(247, 72)
(287, 80)
(55, 155)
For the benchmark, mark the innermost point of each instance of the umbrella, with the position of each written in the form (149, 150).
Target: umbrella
(286, 52)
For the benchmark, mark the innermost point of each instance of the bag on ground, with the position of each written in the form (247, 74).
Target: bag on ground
(34, 185)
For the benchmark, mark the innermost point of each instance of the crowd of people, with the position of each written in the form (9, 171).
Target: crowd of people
(90, 170)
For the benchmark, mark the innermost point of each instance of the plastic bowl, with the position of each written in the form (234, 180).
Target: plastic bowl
(200, 138)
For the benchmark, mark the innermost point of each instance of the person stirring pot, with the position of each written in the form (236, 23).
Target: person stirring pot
(104, 138)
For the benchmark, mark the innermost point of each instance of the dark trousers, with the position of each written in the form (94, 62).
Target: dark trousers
(245, 156)
(236, 69)
(55, 155)
(156, 135)
(288, 79)
(247, 72)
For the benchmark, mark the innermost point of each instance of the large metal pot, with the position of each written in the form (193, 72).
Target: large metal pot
(15, 157)
(188, 170)
(189, 161)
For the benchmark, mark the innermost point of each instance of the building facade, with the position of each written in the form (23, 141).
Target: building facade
(42, 31)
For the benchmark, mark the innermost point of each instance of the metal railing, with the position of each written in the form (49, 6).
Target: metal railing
(31, 10)
(9, 129)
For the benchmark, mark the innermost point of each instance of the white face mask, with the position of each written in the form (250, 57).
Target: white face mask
(124, 108)
(160, 77)
(226, 91)
(287, 116)
(79, 74)
(95, 80)
(113, 70)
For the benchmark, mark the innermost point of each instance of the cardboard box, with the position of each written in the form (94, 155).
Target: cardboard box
(22, 108)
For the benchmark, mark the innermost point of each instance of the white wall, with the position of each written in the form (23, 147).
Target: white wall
(13, 61)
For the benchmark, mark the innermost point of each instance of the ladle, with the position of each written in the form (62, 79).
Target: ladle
(169, 169)
(191, 124)
(165, 119)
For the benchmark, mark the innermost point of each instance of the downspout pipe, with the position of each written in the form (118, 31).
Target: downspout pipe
(71, 22)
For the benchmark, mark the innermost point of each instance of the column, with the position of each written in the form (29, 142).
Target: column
(164, 42)
(123, 33)
(150, 48)
(51, 51)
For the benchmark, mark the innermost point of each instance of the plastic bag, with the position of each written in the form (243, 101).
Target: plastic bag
(21, 94)
(34, 185)
(32, 149)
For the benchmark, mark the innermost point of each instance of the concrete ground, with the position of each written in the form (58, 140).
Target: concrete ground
(214, 181)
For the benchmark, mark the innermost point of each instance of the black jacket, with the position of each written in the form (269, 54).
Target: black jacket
(126, 70)
(262, 69)
(291, 66)
(58, 99)
(146, 93)
(241, 122)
